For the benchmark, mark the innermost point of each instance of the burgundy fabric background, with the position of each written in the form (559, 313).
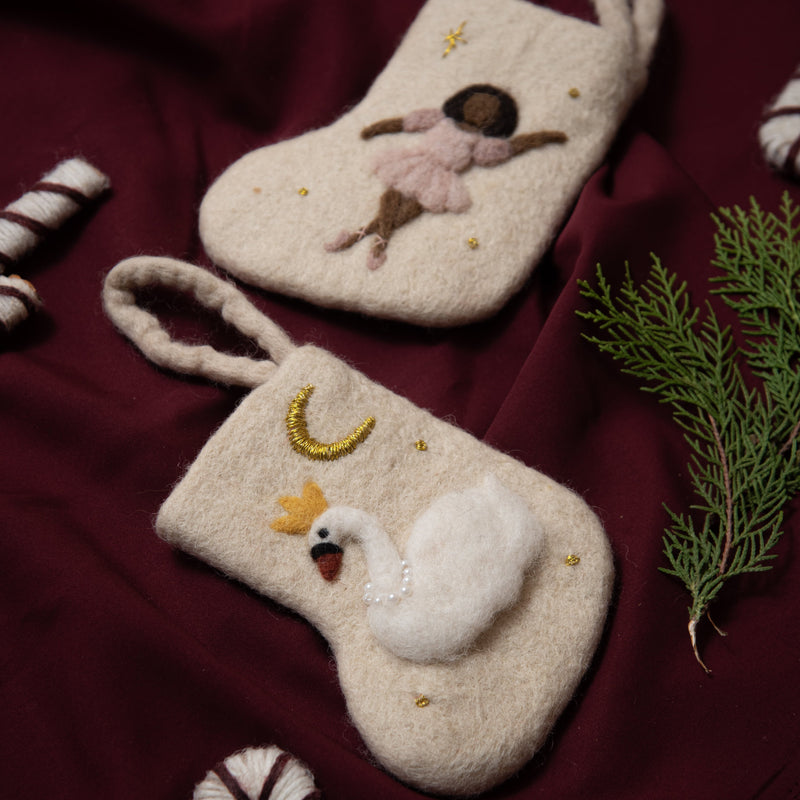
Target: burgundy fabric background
(127, 669)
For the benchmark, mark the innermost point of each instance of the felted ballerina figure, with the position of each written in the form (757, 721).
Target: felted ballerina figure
(474, 126)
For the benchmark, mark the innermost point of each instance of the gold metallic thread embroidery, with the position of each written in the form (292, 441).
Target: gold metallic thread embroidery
(453, 38)
(421, 444)
(421, 701)
(572, 560)
(304, 444)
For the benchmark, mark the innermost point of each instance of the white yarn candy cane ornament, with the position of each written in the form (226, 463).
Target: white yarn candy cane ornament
(779, 133)
(63, 191)
(258, 773)
(18, 300)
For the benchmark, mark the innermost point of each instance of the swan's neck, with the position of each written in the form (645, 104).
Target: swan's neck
(389, 576)
(383, 560)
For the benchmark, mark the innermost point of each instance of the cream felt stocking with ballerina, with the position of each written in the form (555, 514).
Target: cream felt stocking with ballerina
(459, 590)
(433, 199)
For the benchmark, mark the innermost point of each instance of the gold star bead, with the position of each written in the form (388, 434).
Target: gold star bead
(572, 560)
(421, 701)
(573, 92)
(472, 242)
(421, 444)
(302, 191)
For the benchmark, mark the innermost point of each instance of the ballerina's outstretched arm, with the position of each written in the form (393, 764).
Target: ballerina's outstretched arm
(418, 121)
(527, 141)
(393, 125)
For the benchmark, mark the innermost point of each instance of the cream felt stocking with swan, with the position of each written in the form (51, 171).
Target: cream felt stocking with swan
(459, 589)
(433, 199)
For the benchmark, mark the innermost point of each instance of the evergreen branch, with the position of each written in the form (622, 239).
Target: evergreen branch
(792, 436)
(726, 482)
(743, 442)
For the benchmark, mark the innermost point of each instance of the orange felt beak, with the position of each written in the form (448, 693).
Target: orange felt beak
(328, 558)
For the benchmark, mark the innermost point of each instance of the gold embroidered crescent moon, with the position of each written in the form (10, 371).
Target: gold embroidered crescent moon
(302, 442)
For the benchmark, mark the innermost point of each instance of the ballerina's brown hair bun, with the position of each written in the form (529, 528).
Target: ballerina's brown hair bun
(506, 122)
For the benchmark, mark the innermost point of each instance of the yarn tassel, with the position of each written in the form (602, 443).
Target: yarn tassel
(62, 192)
(779, 134)
(258, 773)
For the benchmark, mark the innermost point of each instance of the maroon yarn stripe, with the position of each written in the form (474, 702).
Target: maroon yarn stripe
(314, 795)
(274, 775)
(34, 226)
(231, 784)
(785, 111)
(6, 259)
(58, 188)
(10, 291)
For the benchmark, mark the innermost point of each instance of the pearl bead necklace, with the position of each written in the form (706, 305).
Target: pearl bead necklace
(390, 598)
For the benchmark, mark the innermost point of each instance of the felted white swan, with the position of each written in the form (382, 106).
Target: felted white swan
(466, 559)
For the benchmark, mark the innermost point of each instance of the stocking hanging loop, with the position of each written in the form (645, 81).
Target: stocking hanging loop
(146, 332)
(638, 20)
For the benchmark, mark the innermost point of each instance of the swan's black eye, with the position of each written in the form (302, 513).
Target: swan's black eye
(323, 533)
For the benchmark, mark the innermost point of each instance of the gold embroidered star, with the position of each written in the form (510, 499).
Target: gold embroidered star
(453, 38)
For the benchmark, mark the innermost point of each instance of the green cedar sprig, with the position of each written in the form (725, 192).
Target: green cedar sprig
(743, 441)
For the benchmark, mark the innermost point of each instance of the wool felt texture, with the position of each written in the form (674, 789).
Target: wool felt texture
(468, 218)
(128, 668)
(779, 133)
(523, 631)
(258, 773)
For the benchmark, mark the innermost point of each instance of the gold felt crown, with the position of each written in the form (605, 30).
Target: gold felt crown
(302, 511)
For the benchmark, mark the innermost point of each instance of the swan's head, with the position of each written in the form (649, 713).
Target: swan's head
(329, 533)
(327, 528)
(326, 550)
